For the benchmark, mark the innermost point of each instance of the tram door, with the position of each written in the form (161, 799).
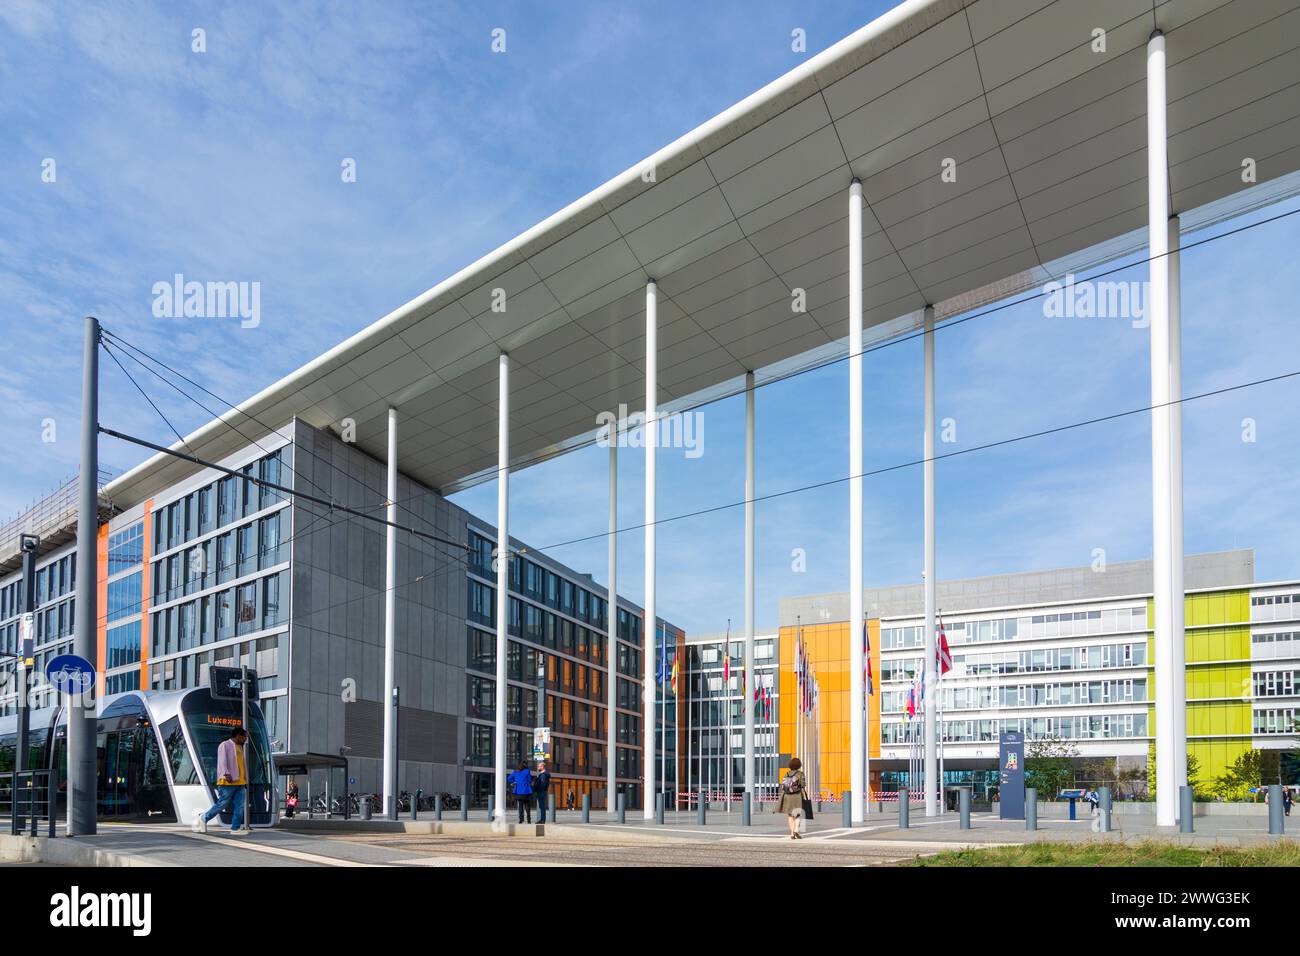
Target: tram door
(120, 758)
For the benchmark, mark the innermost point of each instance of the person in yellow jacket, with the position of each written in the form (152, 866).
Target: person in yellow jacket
(232, 784)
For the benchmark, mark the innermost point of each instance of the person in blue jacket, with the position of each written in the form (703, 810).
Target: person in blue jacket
(521, 784)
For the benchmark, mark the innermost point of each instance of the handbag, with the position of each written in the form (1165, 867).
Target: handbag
(807, 808)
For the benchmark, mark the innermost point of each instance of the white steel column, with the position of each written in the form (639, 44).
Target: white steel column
(1176, 606)
(932, 782)
(1168, 697)
(858, 767)
(611, 663)
(747, 694)
(503, 583)
(651, 630)
(390, 624)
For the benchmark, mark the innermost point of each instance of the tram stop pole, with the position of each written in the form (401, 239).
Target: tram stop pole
(82, 729)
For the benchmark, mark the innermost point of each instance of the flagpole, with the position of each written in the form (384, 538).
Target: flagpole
(726, 747)
(689, 725)
(939, 717)
(712, 727)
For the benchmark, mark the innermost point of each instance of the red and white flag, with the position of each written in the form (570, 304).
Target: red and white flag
(945, 655)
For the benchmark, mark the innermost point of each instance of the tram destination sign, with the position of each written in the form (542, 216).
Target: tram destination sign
(226, 683)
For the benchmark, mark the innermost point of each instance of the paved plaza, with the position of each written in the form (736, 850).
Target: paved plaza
(679, 841)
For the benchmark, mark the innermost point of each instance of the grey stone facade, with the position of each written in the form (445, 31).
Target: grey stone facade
(337, 621)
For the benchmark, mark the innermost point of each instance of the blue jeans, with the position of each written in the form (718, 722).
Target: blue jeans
(541, 804)
(226, 796)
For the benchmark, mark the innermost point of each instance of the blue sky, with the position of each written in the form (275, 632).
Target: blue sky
(227, 164)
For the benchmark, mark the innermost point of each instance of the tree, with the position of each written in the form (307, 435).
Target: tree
(1134, 781)
(1049, 766)
(1193, 772)
(1199, 790)
(1247, 772)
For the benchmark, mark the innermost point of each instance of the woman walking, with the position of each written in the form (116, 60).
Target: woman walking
(793, 796)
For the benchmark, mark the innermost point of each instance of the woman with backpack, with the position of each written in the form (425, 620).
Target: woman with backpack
(793, 798)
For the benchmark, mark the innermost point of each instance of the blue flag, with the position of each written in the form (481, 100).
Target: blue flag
(663, 657)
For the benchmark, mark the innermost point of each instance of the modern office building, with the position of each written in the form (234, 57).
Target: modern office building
(712, 715)
(1064, 655)
(218, 570)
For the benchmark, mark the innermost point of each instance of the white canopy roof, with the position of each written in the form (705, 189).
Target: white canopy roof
(1049, 140)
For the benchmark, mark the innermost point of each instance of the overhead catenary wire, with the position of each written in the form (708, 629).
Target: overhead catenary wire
(952, 454)
(911, 463)
(283, 489)
(297, 534)
(231, 425)
(623, 428)
(875, 472)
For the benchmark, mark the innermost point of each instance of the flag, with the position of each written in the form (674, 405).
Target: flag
(674, 673)
(945, 655)
(798, 668)
(726, 665)
(866, 664)
(911, 701)
(663, 660)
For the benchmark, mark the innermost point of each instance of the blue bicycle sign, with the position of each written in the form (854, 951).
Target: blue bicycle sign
(70, 674)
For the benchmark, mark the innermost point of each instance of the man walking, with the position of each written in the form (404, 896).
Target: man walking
(232, 784)
(541, 787)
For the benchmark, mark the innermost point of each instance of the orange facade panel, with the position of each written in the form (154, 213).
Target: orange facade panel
(828, 651)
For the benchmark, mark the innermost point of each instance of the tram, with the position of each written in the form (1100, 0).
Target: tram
(155, 754)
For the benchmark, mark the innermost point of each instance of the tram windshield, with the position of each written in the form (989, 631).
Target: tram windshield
(209, 723)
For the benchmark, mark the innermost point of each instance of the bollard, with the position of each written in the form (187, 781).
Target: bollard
(415, 804)
(1185, 824)
(744, 809)
(846, 809)
(1276, 821)
(622, 808)
(904, 808)
(586, 808)
(701, 811)
(464, 806)
(1104, 794)
(492, 806)
(555, 809)
(963, 808)
(659, 809)
(1031, 808)
(437, 806)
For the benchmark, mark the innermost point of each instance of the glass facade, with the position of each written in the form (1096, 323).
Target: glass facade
(556, 672)
(713, 720)
(55, 618)
(219, 574)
